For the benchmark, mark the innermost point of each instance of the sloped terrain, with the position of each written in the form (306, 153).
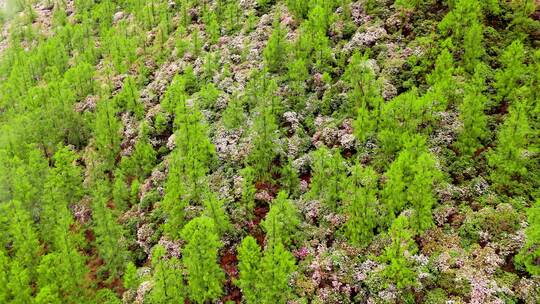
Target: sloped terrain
(258, 151)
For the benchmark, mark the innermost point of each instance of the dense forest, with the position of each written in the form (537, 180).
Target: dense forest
(269, 151)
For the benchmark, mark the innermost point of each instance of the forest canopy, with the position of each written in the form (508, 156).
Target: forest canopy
(267, 151)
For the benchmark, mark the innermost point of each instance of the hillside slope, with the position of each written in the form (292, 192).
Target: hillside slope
(259, 151)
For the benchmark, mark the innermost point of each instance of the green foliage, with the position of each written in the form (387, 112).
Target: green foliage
(168, 280)
(398, 268)
(208, 96)
(130, 278)
(249, 257)
(47, 295)
(264, 278)
(328, 172)
(299, 8)
(409, 4)
(63, 187)
(22, 237)
(282, 220)
(107, 133)
(19, 284)
(510, 78)
(463, 15)
(4, 277)
(107, 296)
(80, 79)
(204, 276)
(120, 47)
(497, 222)
(507, 159)
(530, 253)
(142, 160)
(214, 209)
(276, 51)
(472, 115)
(441, 80)
(265, 135)
(473, 47)
(276, 266)
(365, 95)
(360, 203)
(297, 74)
(402, 117)
(70, 71)
(409, 183)
(128, 98)
(109, 234)
(233, 116)
(289, 180)
(175, 94)
(189, 164)
(63, 273)
(248, 190)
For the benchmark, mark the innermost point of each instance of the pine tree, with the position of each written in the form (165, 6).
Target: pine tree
(131, 281)
(276, 266)
(107, 133)
(19, 284)
(196, 42)
(402, 117)
(249, 259)
(507, 160)
(212, 26)
(189, 164)
(420, 192)
(47, 295)
(299, 8)
(175, 94)
(214, 209)
(441, 79)
(27, 179)
(204, 276)
(297, 73)
(63, 272)
(510, 78)
(282, 221)
(62, 188)
(409, 183)
(290, 182)
(473, 46)
(128, 98)
(276, 51)
(80, 79)
(472, 115)
(365, 95)
(109, 234)
(106, 296)
(248, 190)
(530, 253)
(142, 160)
(265, 135)
(233, 116)
(23, 237)
(361, 205)
(4, 277)
(328, 172)
(120, 191)
(409, 4)
(365, 89)
(168, 280)
(398, 268)
(463, 15)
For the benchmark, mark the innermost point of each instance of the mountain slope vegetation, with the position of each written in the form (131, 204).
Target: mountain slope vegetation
(265, 151)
